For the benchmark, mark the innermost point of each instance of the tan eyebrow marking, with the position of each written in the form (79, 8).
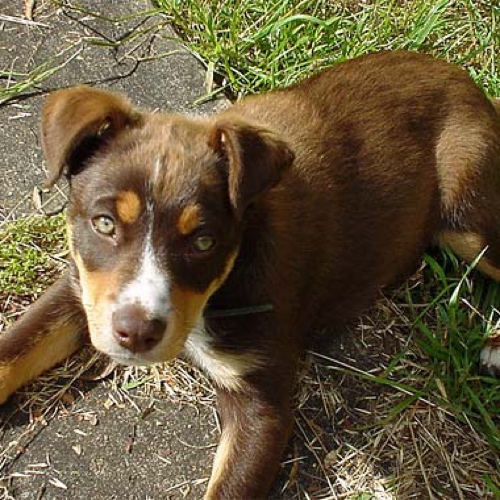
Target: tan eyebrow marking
(128, 206)
(189, 219)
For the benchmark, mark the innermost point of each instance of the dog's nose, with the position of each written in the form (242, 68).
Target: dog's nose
(134, 331)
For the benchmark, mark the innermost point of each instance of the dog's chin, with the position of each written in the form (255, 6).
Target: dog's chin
(169, 348)
(127, 358)
(131, 359)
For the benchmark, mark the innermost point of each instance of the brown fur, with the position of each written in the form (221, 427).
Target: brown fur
(40, 340)
(316, 196)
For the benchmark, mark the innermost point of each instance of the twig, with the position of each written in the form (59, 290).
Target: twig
(420, 462)
(20, 20)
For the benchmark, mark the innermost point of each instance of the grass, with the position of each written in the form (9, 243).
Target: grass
(18, 83)
(397, 409)
(257, 45)
(32, 252)
(459, 311)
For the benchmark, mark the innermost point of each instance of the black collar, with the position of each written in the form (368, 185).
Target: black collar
(237, 311)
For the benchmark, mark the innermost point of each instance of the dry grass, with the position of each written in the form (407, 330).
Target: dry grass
(355, 437)
(382, 441)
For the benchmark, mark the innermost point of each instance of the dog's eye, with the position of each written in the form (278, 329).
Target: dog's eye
(104, 225)
(204, 243)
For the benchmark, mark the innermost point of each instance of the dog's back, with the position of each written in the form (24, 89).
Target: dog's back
(381, 170)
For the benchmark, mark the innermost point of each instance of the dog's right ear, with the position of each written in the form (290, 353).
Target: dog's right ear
(76, 122)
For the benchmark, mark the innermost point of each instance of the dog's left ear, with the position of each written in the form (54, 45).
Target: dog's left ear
(76, 122)
(256, 159)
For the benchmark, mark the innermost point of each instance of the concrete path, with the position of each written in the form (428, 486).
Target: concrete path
(137, 54)
(94, 448)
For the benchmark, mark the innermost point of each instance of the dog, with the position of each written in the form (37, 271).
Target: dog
(229, 239)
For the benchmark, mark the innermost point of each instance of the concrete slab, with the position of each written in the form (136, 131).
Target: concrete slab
(113, 44)
(91, 450)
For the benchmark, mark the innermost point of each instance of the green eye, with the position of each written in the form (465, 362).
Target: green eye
(104, 225)
(204, 243)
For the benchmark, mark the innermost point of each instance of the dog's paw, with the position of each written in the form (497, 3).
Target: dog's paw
(490, 356)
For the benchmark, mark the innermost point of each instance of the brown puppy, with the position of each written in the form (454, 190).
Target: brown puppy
(299, 205)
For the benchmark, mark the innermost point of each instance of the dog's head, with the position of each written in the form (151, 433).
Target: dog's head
(157, 207)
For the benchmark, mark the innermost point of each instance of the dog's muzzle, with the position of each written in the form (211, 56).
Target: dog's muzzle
(135, 331)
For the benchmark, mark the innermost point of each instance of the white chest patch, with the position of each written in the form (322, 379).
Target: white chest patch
(225, 370)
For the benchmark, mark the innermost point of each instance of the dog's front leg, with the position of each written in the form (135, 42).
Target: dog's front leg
(256, 426)
(52, 329)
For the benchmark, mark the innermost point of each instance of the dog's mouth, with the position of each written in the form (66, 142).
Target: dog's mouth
(134, 341)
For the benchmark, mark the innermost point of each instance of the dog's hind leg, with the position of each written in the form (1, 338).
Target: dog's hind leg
(468, 166)
(471, 208)
(52, 329)
(469, 246)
